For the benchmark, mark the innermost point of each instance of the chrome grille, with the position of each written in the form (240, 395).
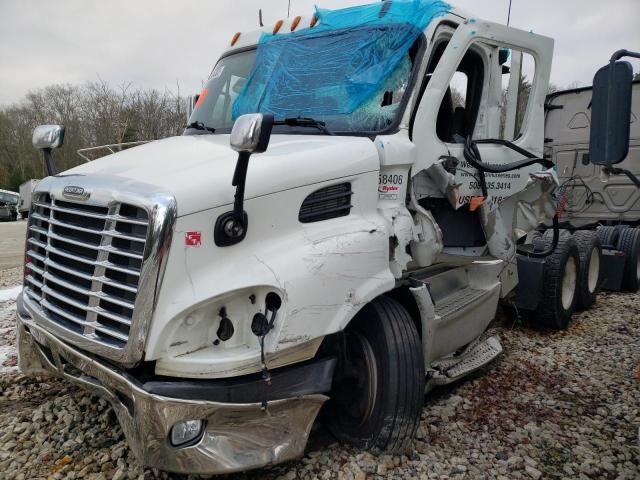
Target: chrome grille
(83, 265)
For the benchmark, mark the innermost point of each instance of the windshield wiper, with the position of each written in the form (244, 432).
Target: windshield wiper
(305, 122)
(200, 126)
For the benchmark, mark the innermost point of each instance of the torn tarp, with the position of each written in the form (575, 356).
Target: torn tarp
(339, 65)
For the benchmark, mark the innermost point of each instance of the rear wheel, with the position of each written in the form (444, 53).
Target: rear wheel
(378, 391)
(560, 279)
(608, 236)
(629, 243)
(590, 252)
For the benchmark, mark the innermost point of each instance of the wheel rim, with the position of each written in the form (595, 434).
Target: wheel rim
(356, 393)
(569, 283)
(594, 270)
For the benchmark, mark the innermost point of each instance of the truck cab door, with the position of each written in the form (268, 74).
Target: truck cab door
(465, 94)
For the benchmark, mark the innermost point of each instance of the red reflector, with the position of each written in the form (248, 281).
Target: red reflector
(193, 239)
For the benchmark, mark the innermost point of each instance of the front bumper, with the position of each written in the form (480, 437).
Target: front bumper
(238, 436)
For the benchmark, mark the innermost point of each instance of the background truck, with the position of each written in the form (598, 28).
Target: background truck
(8, 205)
(327, 233)
(26, 192)
(596, 198)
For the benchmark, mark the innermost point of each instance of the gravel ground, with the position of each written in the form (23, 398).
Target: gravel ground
(10, 277)
(556, 405)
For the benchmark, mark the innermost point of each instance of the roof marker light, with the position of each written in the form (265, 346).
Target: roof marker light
(277, 26)
(235, 38)
(295, 23)
(314, 21)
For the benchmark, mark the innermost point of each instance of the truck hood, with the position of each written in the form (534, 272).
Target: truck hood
(197, 169)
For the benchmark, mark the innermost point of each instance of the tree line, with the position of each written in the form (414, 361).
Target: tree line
(94, 113)
(97, 113)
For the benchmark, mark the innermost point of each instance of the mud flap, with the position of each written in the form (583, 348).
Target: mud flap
(528, 292)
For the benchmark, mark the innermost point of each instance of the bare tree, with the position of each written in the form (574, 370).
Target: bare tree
(94, 113)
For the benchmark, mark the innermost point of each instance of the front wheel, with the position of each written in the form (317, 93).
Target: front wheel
(378, 392)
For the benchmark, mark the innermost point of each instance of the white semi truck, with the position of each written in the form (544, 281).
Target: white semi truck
(598, 197)
(331, 231)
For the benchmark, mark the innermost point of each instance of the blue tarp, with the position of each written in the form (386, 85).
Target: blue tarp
(337, 66)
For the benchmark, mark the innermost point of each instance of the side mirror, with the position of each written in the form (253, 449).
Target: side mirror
(46, 138)
(611, 114)
(251, 133)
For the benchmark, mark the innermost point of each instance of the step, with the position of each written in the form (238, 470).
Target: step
(477, 355)
(457, 301)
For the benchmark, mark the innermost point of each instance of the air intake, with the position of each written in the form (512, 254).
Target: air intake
(326, 203)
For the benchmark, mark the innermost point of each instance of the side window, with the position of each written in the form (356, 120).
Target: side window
(459, 109)
(518, 73)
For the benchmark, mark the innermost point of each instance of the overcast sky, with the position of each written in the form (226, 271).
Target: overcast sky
(156, 43)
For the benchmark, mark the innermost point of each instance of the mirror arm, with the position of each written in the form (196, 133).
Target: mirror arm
(48, 160)
(623, 53)
(239, 181)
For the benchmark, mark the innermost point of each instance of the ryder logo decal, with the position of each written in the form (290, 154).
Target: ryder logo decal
(193, 239)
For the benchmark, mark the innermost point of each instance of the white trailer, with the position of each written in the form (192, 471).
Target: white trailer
(26, 192)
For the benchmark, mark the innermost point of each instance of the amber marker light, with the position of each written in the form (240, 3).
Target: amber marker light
(235, 38)
(277, 26)
(295, 23)
(314, 21)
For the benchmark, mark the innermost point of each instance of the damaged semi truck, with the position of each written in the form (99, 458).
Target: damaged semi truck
(335, 229)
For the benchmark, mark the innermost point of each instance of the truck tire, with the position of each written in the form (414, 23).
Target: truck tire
(560, 281)
(608, 236)
(378, 391)
(548, 234)
(25, 215)
(629, 243)
(589, 280)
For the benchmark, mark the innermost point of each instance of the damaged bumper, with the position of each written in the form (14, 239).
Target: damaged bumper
(236, 437)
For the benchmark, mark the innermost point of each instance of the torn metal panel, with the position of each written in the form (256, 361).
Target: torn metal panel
(403, 233)
(429, 243)
(499, 237)
(436, 181)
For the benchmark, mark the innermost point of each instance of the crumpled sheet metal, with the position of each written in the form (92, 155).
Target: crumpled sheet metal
(237, 437)
(336, 66)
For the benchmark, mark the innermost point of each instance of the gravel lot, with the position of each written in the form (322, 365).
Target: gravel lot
(12, 236)
(556, 405)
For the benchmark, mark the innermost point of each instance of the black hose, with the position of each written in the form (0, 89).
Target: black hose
(472, 155)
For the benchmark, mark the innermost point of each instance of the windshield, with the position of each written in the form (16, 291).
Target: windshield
(318, 77)
(9, 198)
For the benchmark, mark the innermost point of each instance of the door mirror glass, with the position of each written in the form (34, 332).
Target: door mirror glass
(48, 136)
(611, 114)
(251, 133)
